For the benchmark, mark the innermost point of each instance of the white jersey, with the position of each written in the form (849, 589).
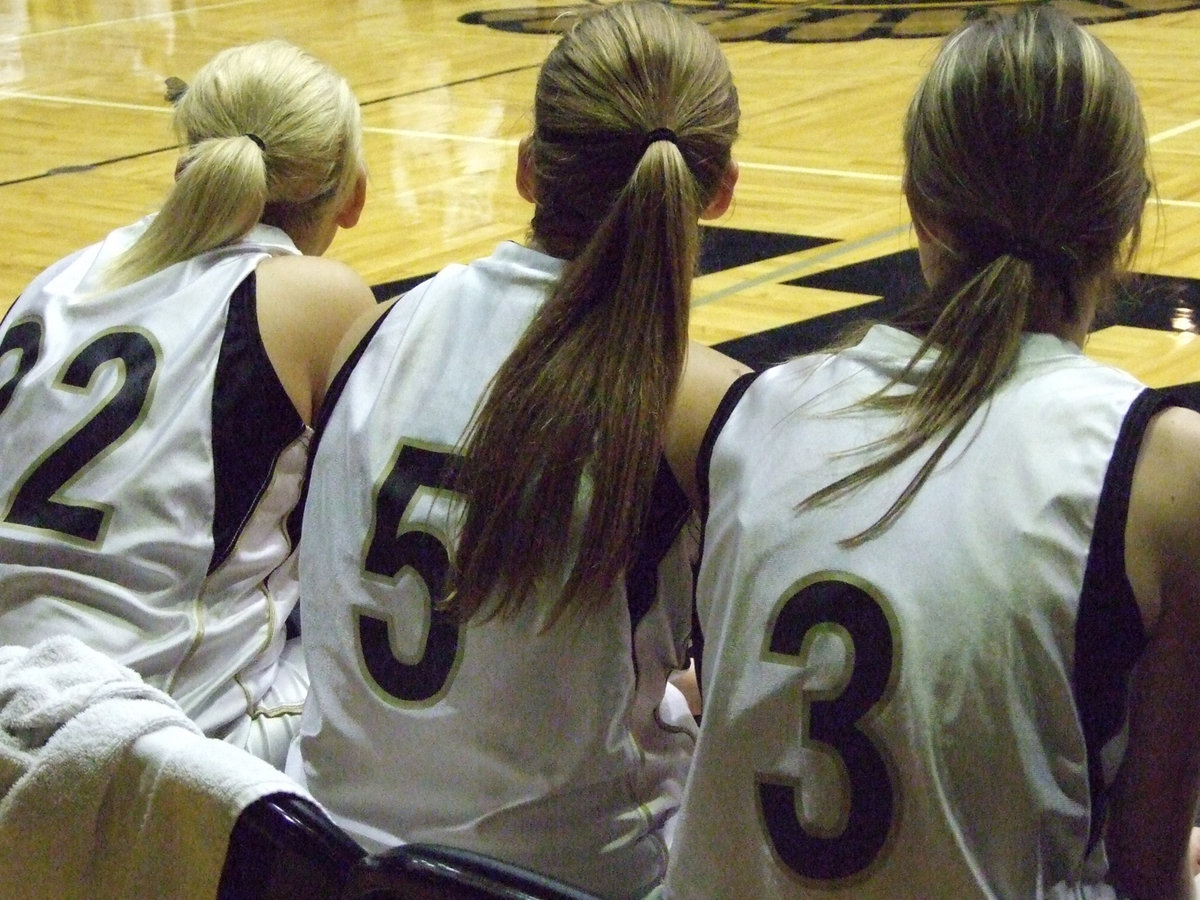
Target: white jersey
(939, 711)
(540, 746)
(149, 458)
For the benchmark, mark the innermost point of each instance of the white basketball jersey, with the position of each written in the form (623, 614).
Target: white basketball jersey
(938, 712)
(541, 745)
(148, 460)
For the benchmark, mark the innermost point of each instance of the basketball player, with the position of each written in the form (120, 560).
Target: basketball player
(951, 571)
(499, 429)
(156, 391)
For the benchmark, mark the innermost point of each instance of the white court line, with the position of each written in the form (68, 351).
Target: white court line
(1186, 204)
(164, 107)
(1174, 132)
(828, 173)
(144, 17)
(440, 136)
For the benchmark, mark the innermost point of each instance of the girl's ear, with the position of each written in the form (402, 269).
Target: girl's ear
(724, 196)
(349, 214)
(525, 181)
(932, 248)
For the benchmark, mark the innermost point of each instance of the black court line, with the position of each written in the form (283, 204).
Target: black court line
(88, 167)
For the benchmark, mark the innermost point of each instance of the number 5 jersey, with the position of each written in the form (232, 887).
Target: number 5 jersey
(541, 744)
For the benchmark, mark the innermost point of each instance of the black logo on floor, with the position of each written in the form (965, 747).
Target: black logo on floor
(832, 21)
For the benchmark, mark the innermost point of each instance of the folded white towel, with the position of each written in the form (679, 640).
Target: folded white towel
(45, 686)
(107, 790)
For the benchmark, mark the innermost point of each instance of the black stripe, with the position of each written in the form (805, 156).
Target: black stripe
(253, 421)
(703, 462)
(1109, 636)
(722, 414)
(336, 387)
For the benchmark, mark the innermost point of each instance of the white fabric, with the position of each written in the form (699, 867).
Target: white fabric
(966, 686)
(140, 587)
(107, 790)
(545, 746)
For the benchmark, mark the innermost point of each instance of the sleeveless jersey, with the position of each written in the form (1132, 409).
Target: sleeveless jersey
(149, 457)
(939, 711)
(542, 745)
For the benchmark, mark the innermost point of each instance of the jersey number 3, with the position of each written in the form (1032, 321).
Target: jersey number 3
(836, 723)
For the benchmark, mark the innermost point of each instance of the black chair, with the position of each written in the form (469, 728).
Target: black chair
(437, 872)
(284, 847)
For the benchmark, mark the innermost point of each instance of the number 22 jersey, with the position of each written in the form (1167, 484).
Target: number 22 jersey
(149, 458)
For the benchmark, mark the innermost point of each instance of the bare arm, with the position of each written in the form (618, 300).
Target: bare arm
(707, 375)
(1155, 798)
(305, 306)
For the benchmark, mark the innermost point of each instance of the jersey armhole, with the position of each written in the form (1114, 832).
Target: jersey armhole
(253, 420)
(1109, 635)
(715, 426)
(336, 387)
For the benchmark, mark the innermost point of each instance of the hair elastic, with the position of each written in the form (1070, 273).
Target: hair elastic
(257, 140)
(660, 134)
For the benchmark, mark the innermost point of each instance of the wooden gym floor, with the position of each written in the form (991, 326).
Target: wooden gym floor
(818, 234)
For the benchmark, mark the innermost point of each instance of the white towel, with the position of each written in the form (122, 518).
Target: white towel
(107, 790)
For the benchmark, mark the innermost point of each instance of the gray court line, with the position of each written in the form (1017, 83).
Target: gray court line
(791, 270)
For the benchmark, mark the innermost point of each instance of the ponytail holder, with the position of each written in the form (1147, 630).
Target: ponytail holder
(257, 140)
(660, 134)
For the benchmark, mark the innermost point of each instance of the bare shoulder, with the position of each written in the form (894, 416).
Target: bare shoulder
(305, 305)
(315, 279)
(1163, 527)
(707, 376)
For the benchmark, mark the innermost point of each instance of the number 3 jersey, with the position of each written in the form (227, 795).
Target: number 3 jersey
(148, 460)
(937, 711)
(541, 745)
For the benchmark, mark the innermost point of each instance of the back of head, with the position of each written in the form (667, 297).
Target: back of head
(615, 78)
(270, 134)
(634, 119)
(1025, 154)
(1026, 140)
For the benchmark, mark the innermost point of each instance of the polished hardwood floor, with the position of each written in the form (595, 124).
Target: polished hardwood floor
(818, 232)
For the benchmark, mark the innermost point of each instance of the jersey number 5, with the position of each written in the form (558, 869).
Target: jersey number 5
(836, 723)
(394, 546)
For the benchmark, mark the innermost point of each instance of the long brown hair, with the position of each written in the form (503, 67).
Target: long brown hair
(634, 117)
(1026, 147)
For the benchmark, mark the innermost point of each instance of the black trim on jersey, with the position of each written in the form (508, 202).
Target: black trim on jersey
(668, 510)
(336, 387)
(703, 461)
(253, 421)
(1109, 636)
(715, 426)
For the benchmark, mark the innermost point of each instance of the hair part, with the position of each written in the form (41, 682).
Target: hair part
(572, 425)
(269, 134)
(1025, 148)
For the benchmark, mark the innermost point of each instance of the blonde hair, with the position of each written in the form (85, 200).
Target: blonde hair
(271, 134)
(1025, 147)
(634, 117)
